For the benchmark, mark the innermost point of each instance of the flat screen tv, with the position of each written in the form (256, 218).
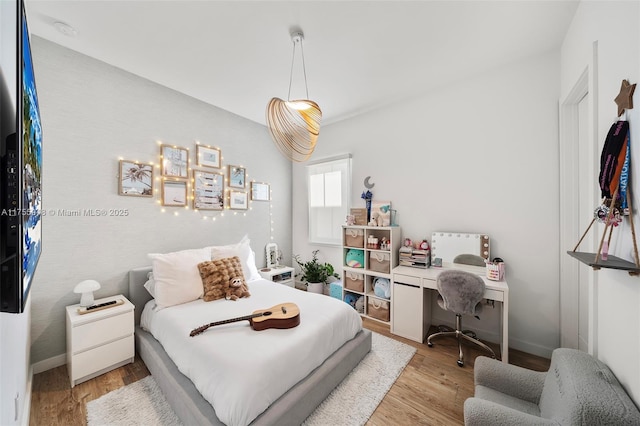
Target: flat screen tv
(21, 163)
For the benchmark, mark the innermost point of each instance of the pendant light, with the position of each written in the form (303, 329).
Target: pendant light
(295, 124)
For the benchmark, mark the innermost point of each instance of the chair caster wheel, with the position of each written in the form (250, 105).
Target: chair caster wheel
(430, 344)
(460, 363)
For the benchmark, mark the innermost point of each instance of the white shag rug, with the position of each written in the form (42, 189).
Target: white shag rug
(351, 403)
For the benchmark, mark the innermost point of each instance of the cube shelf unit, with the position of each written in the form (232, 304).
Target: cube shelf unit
(378, 262)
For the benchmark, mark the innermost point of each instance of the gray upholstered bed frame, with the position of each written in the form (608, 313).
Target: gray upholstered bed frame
(292, 408)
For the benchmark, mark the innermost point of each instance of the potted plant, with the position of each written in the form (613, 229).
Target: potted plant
(314, 273)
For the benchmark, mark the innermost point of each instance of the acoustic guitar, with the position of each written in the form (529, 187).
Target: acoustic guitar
(284, 315)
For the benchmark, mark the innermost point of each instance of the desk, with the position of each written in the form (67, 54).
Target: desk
(411, 311)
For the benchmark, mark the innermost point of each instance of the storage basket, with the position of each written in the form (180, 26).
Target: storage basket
(354, 237)
(380, 262)
(378, 309)
(354, 281)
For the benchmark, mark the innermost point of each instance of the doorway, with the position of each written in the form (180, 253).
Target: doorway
(578, 199)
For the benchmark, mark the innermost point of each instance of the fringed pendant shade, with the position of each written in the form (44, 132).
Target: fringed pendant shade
(294, 125)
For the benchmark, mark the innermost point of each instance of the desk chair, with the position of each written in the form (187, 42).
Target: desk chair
(460, 293)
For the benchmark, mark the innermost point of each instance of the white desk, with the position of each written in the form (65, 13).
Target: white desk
(411, 310)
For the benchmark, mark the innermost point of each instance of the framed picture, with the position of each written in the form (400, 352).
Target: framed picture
(237, 176)
(174, 193)
(175, 161)
(272, 254)
(207, 156)
(208, 190)
(260, 191)
(135, 179)
(238, 200)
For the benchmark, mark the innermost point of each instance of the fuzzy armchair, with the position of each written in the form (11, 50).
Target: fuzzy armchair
(578, 389)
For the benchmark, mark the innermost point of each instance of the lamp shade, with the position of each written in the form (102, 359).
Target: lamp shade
(86, 288)
(294, 127)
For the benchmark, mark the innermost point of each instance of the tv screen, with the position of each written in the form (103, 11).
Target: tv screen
(21, 173)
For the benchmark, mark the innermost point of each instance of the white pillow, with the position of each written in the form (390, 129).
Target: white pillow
(176, 275)
(150, 285)
(243, 251)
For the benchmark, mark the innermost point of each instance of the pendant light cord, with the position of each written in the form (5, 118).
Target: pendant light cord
(304, 70)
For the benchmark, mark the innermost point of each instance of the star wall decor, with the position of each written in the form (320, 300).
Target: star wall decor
(624, 100)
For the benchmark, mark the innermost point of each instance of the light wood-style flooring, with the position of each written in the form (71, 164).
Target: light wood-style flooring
(430, 391)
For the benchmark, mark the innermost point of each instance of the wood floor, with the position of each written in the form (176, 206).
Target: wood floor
(430, 391)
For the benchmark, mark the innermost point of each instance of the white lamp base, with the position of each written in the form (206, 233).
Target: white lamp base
(86, 299)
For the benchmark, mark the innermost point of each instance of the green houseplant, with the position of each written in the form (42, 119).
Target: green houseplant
(314, 273)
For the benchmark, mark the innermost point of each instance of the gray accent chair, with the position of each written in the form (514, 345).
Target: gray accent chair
(578, 389)
(461, 293)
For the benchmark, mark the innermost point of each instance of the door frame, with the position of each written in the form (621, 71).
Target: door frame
(585, 85)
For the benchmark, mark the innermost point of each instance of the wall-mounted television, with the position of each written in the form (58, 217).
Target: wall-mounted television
(21, 164)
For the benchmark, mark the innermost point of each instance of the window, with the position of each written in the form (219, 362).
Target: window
(328, 185)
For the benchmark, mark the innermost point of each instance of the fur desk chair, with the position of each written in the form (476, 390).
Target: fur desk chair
(460, 293)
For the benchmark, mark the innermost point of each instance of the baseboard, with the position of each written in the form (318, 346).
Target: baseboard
(49, 363)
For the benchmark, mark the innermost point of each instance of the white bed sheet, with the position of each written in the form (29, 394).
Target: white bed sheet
(240, 371)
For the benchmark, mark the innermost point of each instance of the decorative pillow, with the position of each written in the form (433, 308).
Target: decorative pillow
(223, 278)
(244, 253)
(176, 276)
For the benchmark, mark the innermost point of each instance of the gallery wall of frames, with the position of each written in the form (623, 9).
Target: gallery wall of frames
(204, 183)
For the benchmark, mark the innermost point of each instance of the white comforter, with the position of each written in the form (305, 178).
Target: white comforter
(241, 371)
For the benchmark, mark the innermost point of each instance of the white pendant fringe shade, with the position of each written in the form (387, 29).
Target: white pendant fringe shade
(294, 127)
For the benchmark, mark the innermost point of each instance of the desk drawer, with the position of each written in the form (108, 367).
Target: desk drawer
(493, 295)
(406, 279)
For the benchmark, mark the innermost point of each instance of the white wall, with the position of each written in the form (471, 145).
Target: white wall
(614, 26)
(14, 328)
(94, 113)
(479, 155)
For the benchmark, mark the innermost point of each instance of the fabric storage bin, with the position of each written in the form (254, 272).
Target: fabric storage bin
(354, 281)
(354, 237)
(380, 262)
(335, 289)
(379, 309)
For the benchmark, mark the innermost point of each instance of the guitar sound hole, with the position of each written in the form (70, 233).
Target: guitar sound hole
(266, 314)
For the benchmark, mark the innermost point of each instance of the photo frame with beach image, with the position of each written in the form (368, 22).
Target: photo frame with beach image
(238, 200)
(174, 193)
(237, 177)
(135, 179)
(175, 161)
(207, 156)
(208, 190)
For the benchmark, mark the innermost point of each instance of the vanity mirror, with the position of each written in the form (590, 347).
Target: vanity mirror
(446, 246)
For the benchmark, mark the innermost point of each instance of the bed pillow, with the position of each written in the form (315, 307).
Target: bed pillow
(223, 278)
(244, 253)
(176, 276)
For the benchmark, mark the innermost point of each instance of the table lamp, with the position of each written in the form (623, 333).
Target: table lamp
(86, 288)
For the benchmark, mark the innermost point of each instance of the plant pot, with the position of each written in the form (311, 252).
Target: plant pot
(315, 288)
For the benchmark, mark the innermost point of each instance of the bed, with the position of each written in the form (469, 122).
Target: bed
(291, 408)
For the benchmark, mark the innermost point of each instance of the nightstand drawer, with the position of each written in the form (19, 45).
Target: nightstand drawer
(89, 335)
(88, 362)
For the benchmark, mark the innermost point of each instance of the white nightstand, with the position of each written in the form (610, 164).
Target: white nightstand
(99, 341)
(279, 274)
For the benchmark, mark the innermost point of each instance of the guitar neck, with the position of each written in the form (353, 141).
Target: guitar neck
(203, 328)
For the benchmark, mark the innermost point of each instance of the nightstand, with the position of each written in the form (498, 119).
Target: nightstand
(279, 274)
(99, 341)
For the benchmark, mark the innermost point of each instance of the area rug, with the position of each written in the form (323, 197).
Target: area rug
(351, 403)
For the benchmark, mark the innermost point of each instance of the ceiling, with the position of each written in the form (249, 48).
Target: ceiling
(359, 55)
